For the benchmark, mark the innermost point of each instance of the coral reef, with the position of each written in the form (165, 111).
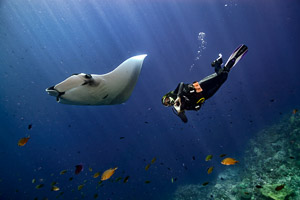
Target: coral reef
(270, 170)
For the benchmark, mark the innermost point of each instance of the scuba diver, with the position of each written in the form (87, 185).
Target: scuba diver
(192, 96)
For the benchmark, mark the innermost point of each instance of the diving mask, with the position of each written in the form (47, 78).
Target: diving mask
(168, 101)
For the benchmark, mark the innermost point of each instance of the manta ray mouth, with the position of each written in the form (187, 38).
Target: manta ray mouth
(53, 92)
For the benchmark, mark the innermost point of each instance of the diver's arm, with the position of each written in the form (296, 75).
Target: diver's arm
(179, 88)
(179, 111)
(183, 117)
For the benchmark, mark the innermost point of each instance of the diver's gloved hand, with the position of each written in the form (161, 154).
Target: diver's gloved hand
(218, 61)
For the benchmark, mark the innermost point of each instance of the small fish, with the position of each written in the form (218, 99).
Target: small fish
(193, 158)
(126, 179)
(208, 158)
(258, 186)
(33, 180)
(95, 196)
(108, 173)
(80, 187)
(71, 178)
(147, 167)
(100, 182)
(63, 172)
(39, 186)
(153, 160)
(147, 182)
(55, 188)
(292, 157)
(96, 174)
(90, 169)
(29, 126)
(295, 111)
(247, 193)
(205, 183)
(280, 187)
(121, 138)
(23, 141)
(209, 170)
(53, 183)
(173, 180)
(222, 155)
(78, 169)
(229, 161)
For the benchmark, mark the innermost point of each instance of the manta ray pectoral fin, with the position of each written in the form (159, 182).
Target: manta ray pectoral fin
(114, 87)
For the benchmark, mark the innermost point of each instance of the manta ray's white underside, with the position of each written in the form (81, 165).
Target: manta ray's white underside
(114, 87)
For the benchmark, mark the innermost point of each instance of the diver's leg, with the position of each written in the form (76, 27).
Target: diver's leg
(212, 83)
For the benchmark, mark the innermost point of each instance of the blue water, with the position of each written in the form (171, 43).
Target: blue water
(43, 42)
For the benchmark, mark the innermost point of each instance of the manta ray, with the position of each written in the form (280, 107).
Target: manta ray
(112, 88)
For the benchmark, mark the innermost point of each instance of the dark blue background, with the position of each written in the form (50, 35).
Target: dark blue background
(43, 42)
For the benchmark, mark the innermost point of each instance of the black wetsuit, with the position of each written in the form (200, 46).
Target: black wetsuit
(192, 96)
(192, 100)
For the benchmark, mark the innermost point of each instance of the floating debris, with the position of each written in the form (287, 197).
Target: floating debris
(208, 158)
(108, 173)
(63, 172)
(209, 170)
(126, 179)
(118, 179)
(96, 174)
(23, 141)
(78, 169)
(229, 161)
